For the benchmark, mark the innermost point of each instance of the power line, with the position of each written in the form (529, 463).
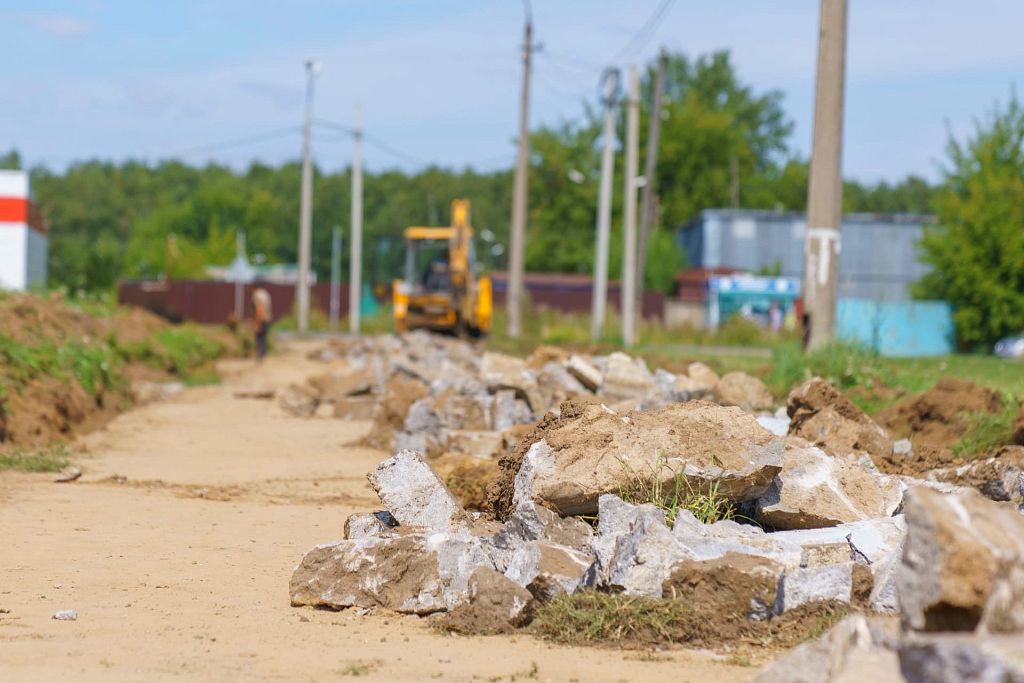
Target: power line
(645, 33)
(372, 140)
(239, 142)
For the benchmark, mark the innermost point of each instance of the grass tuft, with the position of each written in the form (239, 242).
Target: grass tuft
(987, 431)
(52, 458)
(674, 493)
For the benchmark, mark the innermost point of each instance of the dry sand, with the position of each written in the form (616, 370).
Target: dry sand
(176, 546)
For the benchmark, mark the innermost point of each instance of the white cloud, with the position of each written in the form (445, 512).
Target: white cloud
(59, 26)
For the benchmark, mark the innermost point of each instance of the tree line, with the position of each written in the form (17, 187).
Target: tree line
(131, 219)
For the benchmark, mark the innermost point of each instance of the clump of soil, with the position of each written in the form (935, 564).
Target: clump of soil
(935, 421)
(499, 492)
(399, 394)
(468, 477)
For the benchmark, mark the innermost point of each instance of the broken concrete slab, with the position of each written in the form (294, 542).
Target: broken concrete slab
(370, 525)
(815, 584)
(600, 451)
(588, 374)
(414, 494)
(815, 489)
(548, 569)
(500, 371)
(744, 391)
(732, 584)
(951, 658)
(821, 414)
(625, 378)
(509, 410)
(643, 556)
(961, 561)
(533, 522)
(614, 520)
(331, 386)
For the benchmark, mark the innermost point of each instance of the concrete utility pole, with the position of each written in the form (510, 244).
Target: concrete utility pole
(604, 206)
(825, 189)
(306, 203)
(355, 269)
(517, 236)
(629, 287)
(648, 200)
(335, 277)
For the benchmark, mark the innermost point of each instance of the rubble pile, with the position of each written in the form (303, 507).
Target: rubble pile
(960, 587)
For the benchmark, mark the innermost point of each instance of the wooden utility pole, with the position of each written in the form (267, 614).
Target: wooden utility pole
(335, 277)
(629, 264)
(648, 200)
(355, 269)
(825, 189)
(517, 236)
(604, 207)
(306, 204)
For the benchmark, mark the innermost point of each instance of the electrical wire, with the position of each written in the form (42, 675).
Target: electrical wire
(240, 142)
(645, 32)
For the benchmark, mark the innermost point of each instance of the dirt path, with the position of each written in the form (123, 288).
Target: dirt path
(176, 546)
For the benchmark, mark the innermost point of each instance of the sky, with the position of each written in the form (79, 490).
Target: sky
(438, 81)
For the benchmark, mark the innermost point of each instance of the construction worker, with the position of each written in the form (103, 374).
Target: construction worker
(261, 318)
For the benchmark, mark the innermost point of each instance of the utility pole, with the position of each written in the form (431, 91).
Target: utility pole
(610, 81)
(355, 269)
(734, 181)
(306, 203)
(517, 236)
(648, 200)
(335, 277)
(825, 189)
(629, 264)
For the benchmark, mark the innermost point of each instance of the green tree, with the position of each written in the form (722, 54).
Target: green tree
(976, 249)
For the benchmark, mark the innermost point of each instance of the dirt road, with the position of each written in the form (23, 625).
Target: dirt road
(176, 546)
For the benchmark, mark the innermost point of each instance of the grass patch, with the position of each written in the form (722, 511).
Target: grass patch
(52, 458)
(987, 431)
(674, 493)
(594, 618)
(359, 667)
(93, 364)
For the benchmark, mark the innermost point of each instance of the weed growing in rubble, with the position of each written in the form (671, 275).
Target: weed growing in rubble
(986, 431)
(673, 492)
(52, 458)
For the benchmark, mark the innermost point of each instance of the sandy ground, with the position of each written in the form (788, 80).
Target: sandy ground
(176, 546)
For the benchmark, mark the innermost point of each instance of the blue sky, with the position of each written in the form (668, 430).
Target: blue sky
(439, 79)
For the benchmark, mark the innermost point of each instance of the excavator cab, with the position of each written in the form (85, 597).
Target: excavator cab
(440, 289)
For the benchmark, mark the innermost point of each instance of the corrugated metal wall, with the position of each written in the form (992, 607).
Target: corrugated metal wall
(878, 259)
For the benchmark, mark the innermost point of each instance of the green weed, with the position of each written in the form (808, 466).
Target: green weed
(52, 458)
(987, 431)
(671, 492)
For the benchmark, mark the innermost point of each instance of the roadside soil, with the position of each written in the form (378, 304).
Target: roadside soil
(176, 546)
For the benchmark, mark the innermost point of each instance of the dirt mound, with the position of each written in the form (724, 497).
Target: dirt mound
(934, 421)
(399, 394)
(499, 492)
(468, 477)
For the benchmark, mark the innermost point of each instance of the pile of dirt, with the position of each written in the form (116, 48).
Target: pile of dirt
(64, 371)
(935, 421)
(468, 477)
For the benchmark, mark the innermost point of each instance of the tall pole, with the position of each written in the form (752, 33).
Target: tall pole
(306, 204)
(355, 269)
(825, 189)
(604, 207)
(629, 288)
(648, 203)
(517, 238)
(335, 277)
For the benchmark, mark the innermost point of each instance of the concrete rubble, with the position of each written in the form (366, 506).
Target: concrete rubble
(604, 463)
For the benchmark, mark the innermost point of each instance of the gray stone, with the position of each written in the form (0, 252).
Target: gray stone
(776, 424)
(414, 494)
(815, 489)
(702, 378)
(1000, 477)
(586, 372)
(532, 522)
(626, 378)
(509, 410)
(298, 400)
(370, 524)
(744, 391)
(499, 371)
(815, 584)
(644, 556)
(956, 658)
(962, 565)
(548, 569)
(614, 520)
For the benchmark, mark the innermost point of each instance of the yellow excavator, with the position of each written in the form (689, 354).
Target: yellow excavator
(442, 289)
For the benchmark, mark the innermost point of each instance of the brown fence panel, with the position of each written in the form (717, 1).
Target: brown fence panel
(213, 302)
(572, 293)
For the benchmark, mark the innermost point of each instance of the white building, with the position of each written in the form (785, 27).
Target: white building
(23, 240)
